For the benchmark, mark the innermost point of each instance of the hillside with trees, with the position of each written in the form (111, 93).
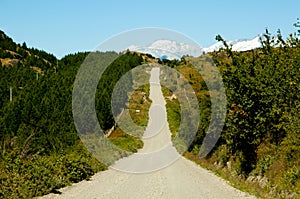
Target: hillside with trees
(259, 147)
(40, 150)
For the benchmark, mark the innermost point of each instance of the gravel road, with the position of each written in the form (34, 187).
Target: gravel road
(156, 171)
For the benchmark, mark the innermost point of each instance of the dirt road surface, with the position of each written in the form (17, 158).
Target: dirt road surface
(156, 171)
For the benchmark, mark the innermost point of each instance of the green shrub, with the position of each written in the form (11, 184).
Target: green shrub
(127, 142)
(39, 175)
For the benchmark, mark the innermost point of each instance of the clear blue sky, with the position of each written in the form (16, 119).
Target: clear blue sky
(67, 26)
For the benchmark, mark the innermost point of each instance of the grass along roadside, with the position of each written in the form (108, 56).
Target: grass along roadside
(254, 184)
(139, 105)
(173, 110)
(225, 173)
(125, 141)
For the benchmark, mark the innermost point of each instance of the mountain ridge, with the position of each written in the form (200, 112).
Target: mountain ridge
(170, 49)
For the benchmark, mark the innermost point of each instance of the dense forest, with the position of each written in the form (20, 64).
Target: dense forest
(259, 148)
(39, 145)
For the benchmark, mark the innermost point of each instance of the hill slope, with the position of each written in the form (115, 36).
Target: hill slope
(40, 150)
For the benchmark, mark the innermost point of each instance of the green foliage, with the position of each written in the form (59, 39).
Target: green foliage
(139, 100)
(171, 63)
(261, 89)
(127, 143)
(297, 26)
(39, 149)
(106, 85)
(261, 132)
(6, 43)
(173, 111)
(39, 145)
(264, 163)
(39, 175)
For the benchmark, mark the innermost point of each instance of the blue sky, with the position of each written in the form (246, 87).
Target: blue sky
(62, 27)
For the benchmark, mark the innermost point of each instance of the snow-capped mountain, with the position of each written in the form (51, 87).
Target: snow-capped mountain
(237, 45)
(167, 49)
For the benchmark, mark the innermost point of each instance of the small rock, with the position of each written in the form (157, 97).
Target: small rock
(228, 165)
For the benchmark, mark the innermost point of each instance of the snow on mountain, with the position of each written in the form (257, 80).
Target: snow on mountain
(237, 45)
(167, 49)
(245, 45)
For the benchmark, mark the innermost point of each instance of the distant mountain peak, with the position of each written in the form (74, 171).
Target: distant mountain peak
(237, 45)
(169, 49)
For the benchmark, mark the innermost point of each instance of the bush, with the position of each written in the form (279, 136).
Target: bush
(39, 175)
